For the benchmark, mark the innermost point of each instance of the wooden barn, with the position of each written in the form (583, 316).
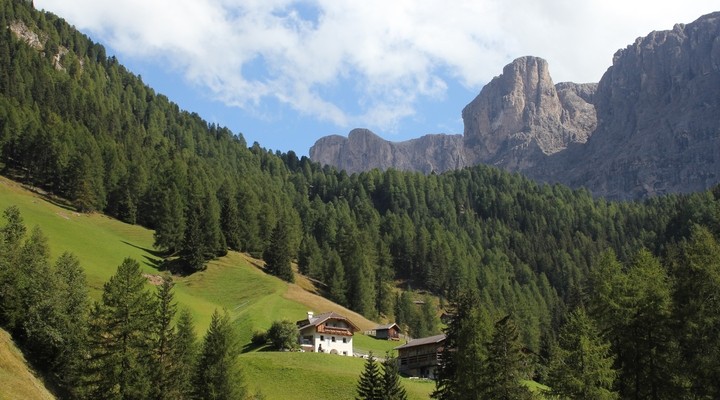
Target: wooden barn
(388, 331)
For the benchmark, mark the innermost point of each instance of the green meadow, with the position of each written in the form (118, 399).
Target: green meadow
(314, 375)
(235, 283)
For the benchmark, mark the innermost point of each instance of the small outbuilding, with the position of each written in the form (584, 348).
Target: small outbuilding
(388, 331)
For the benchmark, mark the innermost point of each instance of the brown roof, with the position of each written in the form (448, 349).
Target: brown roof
(321, 318)
(422, 341)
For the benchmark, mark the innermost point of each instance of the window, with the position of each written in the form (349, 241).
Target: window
(322, 338)
(344, 340)
(333, 339)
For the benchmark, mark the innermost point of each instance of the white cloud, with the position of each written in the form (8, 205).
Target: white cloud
(387, 55)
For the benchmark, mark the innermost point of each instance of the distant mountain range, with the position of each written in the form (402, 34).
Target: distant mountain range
(650, 126)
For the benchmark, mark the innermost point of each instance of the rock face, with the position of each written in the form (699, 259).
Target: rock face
(521, 116)
(363, 150)
(658, 110)
(650, 126)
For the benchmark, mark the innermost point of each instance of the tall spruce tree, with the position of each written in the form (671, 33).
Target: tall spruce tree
(695, 265)
(185, 354)
(164, 361)
(121, 341)
(392, 389)
(370, 383)
(74, 305)
(460, 373)
(582, 364)
(217, 373)
(506, 364)
(277, 255)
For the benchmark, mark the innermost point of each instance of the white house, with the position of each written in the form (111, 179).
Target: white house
(327, 333)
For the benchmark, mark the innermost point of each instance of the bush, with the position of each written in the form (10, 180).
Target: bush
(283, 335)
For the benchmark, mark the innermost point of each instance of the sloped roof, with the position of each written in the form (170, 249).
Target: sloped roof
(422, 341)
(386, 326)
(321, 318)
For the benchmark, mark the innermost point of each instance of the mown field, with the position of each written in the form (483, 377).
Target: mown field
(235, 283)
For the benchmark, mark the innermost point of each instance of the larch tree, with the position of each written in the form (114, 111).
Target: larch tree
(164, 341)
(121, 337)
(695, 265)
(277, 255)
(217, 373)
(185, 354)
(582, 364)
(506, 364)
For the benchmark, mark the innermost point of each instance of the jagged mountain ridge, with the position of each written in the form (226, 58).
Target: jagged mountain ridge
(650, 126)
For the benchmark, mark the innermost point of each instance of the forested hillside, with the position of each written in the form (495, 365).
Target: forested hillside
(77, 124)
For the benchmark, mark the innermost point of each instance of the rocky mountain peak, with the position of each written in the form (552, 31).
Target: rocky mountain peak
(521, 116)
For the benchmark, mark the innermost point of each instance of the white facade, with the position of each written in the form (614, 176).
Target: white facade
(333, 344)
(327, 333)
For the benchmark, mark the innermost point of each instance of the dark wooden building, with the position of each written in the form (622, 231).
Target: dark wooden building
(388, 331)
(420, 357)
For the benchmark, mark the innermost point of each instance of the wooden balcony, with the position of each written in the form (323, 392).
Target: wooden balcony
(419, 360)
(334, 330)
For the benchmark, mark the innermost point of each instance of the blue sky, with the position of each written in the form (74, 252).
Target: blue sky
(286, 72)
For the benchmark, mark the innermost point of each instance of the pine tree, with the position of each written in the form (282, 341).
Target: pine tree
(12, 280)
(695, 265)
(229, 216)
(392, 389)
(170, 229)
(164, 362)
(582, 364)
(505, 367)
(14, 229)
(336, 275)
(121, 337)
(74, 305)
(193, 245)
(277, 255)
(369, 386)
(460, 373)
(185, 354)
(217, 374)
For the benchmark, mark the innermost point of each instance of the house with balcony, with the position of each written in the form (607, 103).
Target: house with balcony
(420, 357)
(329, 332)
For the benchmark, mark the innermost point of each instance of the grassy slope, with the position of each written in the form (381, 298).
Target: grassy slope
(235, 283)
(16, 380)
(314, 375)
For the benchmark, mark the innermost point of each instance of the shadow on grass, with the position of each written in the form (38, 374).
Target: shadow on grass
(156, 253)
(250, 347)
(163, 261)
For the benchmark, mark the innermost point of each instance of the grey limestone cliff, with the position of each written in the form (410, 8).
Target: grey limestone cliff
(658, 110)
(363, 150)
(521, 116)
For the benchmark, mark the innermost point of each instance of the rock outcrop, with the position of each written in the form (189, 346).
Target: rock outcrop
(650, 126)
(521, 116)
(658, 110)
(363, 150)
